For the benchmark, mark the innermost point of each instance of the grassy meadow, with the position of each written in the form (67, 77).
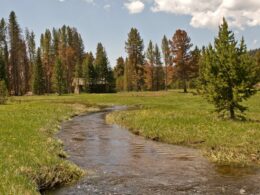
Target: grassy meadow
(31, 157)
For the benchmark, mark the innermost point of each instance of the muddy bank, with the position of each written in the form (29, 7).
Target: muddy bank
(123, 163)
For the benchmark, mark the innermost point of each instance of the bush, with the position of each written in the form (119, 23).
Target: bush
(3, 92)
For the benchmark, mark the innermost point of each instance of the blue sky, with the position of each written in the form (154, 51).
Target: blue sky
(109, 21)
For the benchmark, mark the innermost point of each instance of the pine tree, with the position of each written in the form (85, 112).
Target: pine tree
(24, 68)
(101, 64)
(119, 74)
(135, 63)
(167, 60)
(180, 48)
(158, 72)
(4, 54)
(89, 72)
(15, 42)
(195, 58)
(102, 68)
(30, 41)
(38, 81)
(149, 67)
(257, 60)
(110, 87)
(58, 78)
(47, 60)
(228, 74)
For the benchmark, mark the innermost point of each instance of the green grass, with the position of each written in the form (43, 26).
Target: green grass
(29, 154)
(190, 121)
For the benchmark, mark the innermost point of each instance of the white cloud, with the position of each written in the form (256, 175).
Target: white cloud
(209, 13)
(135, 6)
(107, 7)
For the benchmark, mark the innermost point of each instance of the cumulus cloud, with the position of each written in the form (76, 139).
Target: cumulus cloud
(135, 6)
(209, 13)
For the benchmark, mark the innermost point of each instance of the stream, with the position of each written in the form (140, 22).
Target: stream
(119, 162)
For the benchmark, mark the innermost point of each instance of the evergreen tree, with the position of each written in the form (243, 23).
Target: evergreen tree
(158, 72)
(257, 60)
(102, 70)
(119, 74)
(135, 63)
(101, 64)
(195, 58)
(126, 76)
(167, 60)
(38, 81)
(228, 74)
(4, 55)
(149, 68)
(180, 48)
(47, 59)
(194, 64)
(15, 42)
(58, 78)
(89, 72)
(30, 41)
(24, 68)
(110, 87)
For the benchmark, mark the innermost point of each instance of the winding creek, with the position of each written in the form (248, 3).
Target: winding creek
(122, 163)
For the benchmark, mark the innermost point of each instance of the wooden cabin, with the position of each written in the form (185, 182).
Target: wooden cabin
(78, 84)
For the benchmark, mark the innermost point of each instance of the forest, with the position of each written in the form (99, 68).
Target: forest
(51, 67)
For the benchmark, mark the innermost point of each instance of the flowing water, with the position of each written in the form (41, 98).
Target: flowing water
(122, 163)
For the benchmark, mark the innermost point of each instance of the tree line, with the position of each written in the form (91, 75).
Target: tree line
(157, 68)
(60, 57)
